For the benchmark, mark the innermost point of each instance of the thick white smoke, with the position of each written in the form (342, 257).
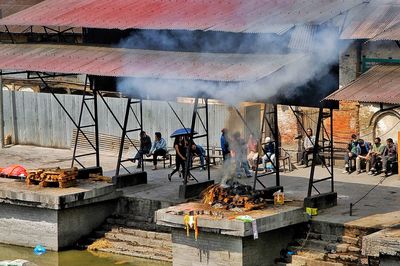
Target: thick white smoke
(314, 58)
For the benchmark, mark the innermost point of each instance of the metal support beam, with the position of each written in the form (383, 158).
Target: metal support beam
(1, 113)
(204, 125)
(320, 152)
(269, 122)
(125, 130)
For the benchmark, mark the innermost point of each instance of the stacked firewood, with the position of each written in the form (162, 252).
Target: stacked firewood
(52, 177)
(233, 197)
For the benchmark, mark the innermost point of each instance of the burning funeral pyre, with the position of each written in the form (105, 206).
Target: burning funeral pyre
(234, 196)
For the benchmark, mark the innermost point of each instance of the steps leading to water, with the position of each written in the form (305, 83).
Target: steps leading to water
(329, 244)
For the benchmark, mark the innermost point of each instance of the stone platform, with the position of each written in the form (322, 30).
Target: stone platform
(224, 240)
(53, 217)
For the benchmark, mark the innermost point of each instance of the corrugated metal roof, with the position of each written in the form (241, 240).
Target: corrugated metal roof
(380, 84)
(8, 7)
(370, 19)
(391, 34)
(258, 16)
(104, 61)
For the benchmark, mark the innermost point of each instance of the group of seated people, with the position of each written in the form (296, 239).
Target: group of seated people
(376, 157)
(159, 148)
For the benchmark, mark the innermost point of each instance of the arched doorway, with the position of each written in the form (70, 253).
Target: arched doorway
(387, 125)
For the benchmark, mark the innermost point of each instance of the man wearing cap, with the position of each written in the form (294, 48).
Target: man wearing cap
(269, 153)
(145, 146)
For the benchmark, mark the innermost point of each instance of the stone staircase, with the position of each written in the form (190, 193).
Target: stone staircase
(139, 243)
(328, 244)
(132, 231)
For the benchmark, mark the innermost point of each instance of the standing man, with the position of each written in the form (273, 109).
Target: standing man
(145, 146)
(225, 144)
(239, 149)
(308, 144)
(159, 148)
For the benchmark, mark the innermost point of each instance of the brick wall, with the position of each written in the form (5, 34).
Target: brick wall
(345, 123)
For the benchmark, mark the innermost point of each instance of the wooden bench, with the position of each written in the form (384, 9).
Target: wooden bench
(163, 159)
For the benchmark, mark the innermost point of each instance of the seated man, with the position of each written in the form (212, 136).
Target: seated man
(308, 144)
(351, 154)
(145, 146)
(159, 148)
(197, 150)
(252, 152)
(269, 153)
(362, 155)
(375, 154)
(389, 157)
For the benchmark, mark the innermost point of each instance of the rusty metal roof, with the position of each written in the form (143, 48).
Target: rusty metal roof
(257, 16)
(371, 19)
(391, 34)
(380, 84)
(118, 62)
(8, 7)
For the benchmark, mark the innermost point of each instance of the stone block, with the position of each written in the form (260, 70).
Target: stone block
(84, 172)
(193, 190)
(321, 201)
(353, 249)
(128, 180)
(342, 248)
(350, 240)
(268, 193)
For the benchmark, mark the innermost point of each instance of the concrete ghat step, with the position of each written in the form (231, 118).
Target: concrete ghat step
(301, 260)
(140, 251)
(142, 233)
(139, 241)
(318, 245)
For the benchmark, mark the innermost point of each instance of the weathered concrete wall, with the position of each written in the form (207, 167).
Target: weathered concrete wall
(221, 250)
(73, 223)
(209, 249)
(28, 226)
(54, 229)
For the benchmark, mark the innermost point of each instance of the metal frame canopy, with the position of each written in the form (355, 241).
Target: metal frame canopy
(261, 16)
(180, 67)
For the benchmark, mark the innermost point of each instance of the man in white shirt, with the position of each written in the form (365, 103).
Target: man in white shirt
(159, 148)
(308, 145)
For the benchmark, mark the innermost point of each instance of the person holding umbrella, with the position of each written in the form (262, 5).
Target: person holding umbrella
(181, 146)
(180, 149)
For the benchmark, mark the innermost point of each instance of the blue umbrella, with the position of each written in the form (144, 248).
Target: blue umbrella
(182, 132)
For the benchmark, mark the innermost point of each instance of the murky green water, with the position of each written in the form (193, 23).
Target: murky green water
(73, 258)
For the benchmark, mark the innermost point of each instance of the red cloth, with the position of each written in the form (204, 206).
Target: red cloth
(13, 170)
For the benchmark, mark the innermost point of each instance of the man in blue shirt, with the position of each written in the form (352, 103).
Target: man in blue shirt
(159, 148)
(197, 150)
(225, 144)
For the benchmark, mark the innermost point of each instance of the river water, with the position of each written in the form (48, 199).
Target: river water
(73, 258)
